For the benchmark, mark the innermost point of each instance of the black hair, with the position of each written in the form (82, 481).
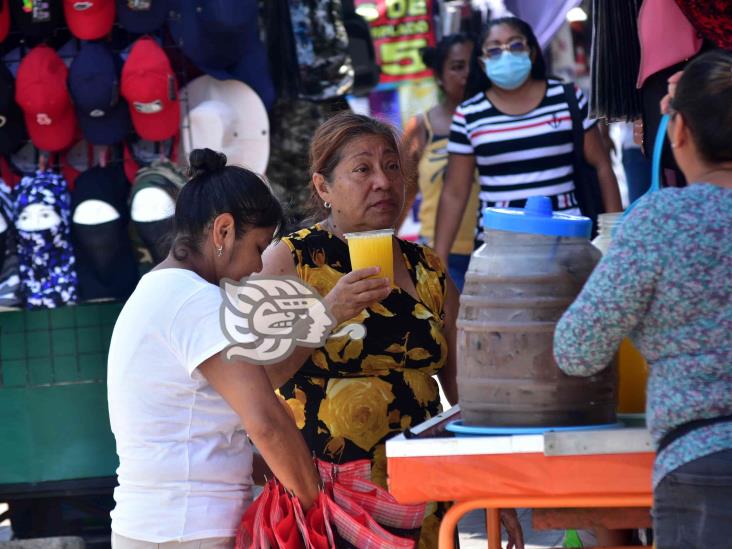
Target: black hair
(215, 188)
(477, 79)
(435, 57)
(704, 98)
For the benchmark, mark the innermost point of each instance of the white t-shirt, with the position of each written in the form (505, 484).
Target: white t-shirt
(185, 461)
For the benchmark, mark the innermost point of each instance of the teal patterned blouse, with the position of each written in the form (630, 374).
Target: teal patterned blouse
(666, 282)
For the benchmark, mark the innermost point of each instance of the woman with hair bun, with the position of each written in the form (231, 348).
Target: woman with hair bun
(666, 282)
(425, 145)
(180, 412)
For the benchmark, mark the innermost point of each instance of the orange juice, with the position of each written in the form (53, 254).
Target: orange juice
(633, 374)
(371, 249)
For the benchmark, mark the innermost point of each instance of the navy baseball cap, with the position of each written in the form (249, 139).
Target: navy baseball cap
(142, 16)
(221, 38)
(94, 84)
(12, 128)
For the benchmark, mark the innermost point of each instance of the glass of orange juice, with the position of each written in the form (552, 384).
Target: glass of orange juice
(372, 249)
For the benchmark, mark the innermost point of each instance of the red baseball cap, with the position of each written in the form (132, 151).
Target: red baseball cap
(4, 19)
(41, 92)
(151, 90)
(89, 19)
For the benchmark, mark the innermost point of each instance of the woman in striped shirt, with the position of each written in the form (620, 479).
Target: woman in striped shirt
(518, 132)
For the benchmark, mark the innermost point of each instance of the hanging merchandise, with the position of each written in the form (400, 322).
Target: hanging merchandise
(292, 126)
(280, 45)
(12, 129)
(139, 153)
(227, 116)
(41, 91)
(152, 207)
(615, 60)
(713, 20)
(9, 268)
(94, 80)
(24, 160)
(105, 261)
(89, 19)
(221, 37)
(47, 264)
(36, 19)
(366, 72)
(545, 21)
(321, 46)
(142, 16)
(4, 19)
(151, 89)
(400, 30)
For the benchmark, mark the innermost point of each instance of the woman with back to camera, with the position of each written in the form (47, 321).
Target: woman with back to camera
(425, 145)
(351, 395)
(517, 131)
(666, 282)
(180, 412)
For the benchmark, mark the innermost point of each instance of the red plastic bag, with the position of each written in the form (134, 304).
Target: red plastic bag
(357, 529)
(401, 520)
(352, 480)
(282, 520)
(330, 472)
(255, 531)
(314, 525)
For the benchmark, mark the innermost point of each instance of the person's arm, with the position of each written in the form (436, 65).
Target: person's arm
(413, 143)
(453, 199)
(352, 294)
(458, 183)
(248, 391)
(448, 373)
(616, 296)
(597, 154)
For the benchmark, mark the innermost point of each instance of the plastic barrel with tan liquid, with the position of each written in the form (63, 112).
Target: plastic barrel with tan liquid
(531, 267)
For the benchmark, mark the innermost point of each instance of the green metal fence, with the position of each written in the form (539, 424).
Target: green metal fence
(54, 423)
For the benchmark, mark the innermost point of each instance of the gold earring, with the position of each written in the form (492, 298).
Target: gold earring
(220, 250)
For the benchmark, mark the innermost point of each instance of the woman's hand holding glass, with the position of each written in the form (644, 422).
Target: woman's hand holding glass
(355, 291)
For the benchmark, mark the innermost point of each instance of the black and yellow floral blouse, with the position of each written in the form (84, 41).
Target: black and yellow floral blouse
(352, 395)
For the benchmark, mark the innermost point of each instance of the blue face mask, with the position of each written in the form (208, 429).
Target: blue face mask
(509, 71)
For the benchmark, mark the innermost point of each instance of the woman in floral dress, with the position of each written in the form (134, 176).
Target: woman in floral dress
(351, 395)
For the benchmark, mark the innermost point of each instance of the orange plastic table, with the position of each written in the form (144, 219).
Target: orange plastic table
(555, 470)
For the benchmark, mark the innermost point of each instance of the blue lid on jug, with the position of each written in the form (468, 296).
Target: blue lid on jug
(537, 217)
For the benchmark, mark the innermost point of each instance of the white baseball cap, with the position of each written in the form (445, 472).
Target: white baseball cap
(226, 116)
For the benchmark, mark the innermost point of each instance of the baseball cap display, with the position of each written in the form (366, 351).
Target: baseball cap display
(36, 18)
(227, 116)
(41, 91)
(221, 38)
(151, 89)
(142, 16)
(4, 19)
(94, 83)
(89, 19)
(12, 130)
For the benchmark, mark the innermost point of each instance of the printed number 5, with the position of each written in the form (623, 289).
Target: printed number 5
(402, 58)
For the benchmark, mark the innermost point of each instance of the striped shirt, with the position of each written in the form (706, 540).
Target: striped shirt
(524, 155)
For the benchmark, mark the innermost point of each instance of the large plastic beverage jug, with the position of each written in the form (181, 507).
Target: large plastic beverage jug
(530, 268)
(632, 367)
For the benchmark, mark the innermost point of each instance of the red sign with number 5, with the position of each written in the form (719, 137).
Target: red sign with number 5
(399, 28)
